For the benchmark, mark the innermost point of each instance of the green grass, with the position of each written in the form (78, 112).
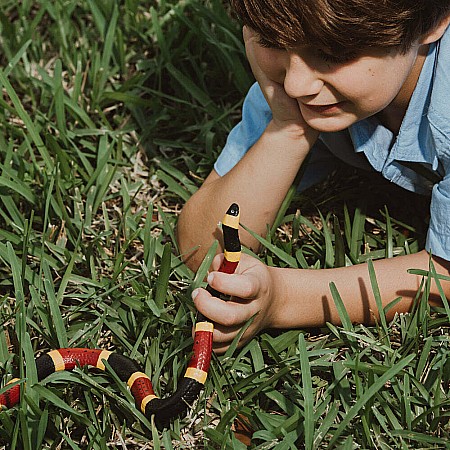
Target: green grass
(111, 115)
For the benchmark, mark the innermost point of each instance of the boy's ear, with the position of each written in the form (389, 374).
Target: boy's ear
(436, 33)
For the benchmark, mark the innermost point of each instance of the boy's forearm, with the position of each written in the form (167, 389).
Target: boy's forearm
(258, 183)
(304, 298)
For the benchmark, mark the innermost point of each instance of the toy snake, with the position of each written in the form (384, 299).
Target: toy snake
(139, 383)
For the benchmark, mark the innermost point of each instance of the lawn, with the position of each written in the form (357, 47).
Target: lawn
(112, 113)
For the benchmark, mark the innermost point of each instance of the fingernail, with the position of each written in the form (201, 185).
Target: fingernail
(210, 278)
(194, 294)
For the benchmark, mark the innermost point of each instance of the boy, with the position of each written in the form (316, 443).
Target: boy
(365, 80)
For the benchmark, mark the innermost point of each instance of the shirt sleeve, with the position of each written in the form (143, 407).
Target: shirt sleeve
(438, 238)
(256, 115)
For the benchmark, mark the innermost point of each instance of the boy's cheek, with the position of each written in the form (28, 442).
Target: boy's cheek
(271, 62)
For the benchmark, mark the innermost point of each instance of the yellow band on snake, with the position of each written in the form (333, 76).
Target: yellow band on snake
(231, 221)
(196, 374)
(232, 256)
(134, 377)
(146, 400)
(104, 355)
(58, 360)
(204, 326)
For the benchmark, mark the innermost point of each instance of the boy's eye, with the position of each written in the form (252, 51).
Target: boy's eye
(335, 58)
(327, 55)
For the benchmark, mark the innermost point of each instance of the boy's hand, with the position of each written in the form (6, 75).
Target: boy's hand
(251, 291)
(285, 110)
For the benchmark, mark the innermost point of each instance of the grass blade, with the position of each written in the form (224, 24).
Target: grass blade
(32, 130)
(308, 394)
(389, 375)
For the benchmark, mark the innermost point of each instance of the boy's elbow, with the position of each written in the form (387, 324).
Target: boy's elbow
(191, 235)
(183, 233)
(197, 224)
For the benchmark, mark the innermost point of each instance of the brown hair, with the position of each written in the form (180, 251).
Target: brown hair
(342, 25)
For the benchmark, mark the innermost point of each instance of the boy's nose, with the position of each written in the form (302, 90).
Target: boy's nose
(301, 80)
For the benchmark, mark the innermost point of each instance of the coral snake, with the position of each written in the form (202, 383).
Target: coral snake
(139, 383)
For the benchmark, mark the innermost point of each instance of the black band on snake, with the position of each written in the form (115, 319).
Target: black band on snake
(139, 383)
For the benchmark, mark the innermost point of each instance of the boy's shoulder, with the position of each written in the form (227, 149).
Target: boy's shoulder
(438, 110)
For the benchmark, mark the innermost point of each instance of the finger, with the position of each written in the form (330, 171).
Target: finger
(224, 336)
(242, 286)
(226, 314)
(222, 341)
(217, 262)
(220, 349)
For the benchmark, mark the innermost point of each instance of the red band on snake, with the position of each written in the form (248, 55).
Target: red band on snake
(129, 372)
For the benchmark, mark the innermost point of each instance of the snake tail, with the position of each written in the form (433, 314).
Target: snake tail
(128, 371)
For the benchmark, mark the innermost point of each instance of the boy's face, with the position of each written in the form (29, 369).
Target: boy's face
(334, 92)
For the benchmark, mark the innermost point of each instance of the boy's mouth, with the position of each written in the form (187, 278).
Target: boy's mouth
(329, 109)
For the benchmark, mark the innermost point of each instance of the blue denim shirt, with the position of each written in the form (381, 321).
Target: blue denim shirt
(424, 138)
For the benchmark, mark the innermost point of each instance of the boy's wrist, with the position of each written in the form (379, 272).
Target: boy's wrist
(290, 143)
(281, 304)
(292, 131)
(292, 305)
